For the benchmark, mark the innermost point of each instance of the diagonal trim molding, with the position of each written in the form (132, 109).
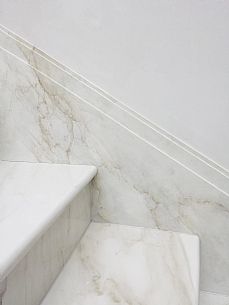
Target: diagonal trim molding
(149, 132)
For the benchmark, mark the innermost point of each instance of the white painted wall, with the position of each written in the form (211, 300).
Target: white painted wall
(166, 59)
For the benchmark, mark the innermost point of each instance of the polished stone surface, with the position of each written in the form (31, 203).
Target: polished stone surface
(141, 180)
(129, 265)
(30, 280)
(32, 196)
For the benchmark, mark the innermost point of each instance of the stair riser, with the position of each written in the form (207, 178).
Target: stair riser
(29, 282)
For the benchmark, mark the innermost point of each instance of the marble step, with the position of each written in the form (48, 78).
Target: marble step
(118, 264)
(44, 210)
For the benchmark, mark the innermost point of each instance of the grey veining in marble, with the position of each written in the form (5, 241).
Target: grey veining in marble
(136, 183)
(146, 130)
(116, 264)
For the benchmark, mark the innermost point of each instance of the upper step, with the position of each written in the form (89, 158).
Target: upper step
(32, 196)
(119, 264)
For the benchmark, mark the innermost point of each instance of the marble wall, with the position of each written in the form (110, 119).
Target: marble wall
(145, 177)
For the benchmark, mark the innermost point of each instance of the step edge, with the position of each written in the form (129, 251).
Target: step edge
(7, 266)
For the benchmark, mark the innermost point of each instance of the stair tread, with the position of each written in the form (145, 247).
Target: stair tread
(32, 196)
(119, 264)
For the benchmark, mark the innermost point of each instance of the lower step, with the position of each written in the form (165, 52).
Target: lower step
(44, 211)
(117, 264)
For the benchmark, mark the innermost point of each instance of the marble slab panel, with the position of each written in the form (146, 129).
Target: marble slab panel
(137, 183)
(116, 264)
(31, 279)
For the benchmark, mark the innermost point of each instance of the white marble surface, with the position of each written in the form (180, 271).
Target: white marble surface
(207, 298)
(30, 280)
(137, 183)
(156, 56)
(32, 196)
(129, 265)
(143, 128)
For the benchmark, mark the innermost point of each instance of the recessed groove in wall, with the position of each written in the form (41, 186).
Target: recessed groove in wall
(147, 131)
(119, 123)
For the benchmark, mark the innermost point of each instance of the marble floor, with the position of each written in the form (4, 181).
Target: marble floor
(129, 265)
(207, 298)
